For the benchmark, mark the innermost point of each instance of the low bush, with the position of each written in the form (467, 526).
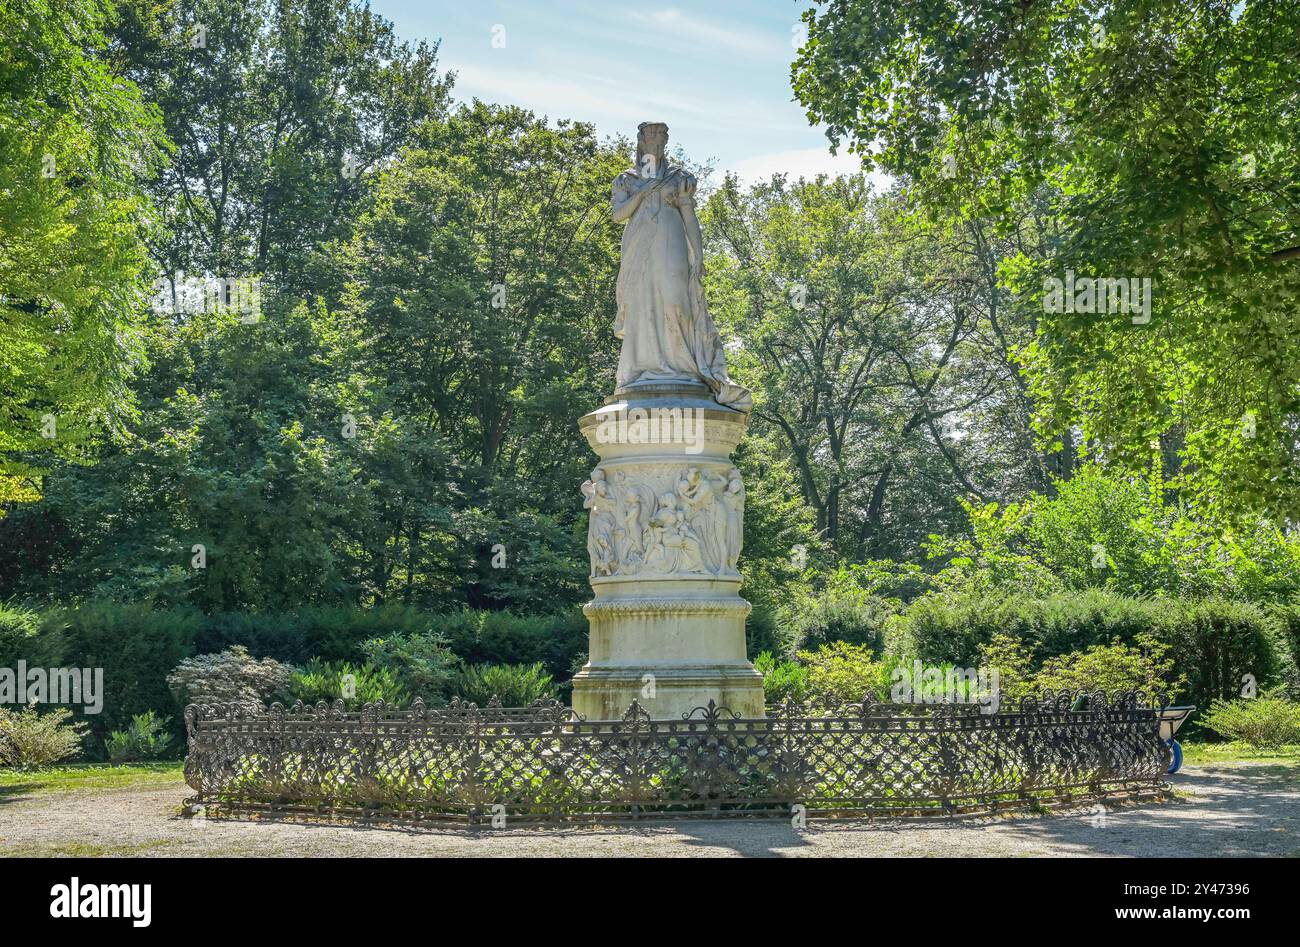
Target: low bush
(355, 684)
(487, 637)
(147, 738)
(1262, 722)
(30, 739)
(515, 685)
(858, 621)
(1147, 667)
(232, 676)
(1213, 643)
(331, 634)
(782, 680)
(136, 646)
(422, 663)
(23, 637)
(840, 672)
(1219, 646)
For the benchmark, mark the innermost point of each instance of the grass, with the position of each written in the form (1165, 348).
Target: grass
(1238, 752)
(90, 850)
(74, 777)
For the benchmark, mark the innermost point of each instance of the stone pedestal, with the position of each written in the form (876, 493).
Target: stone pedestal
(666, 510)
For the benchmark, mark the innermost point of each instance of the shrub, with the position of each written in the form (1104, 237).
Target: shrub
(229, 677)
(763, 632)
(857, 621)
(30, 739)
(1263, 722)
(355, 684)
(841, 672)
(782, 680)
(135, 645)
(1286, 637)
(1216, 643)
(1213, 642)
(487, 637)
(515, 685)
(1112, 668)
(146, 739)
(331, 634)
(421, 663)
(23, 637)
(1012, 661)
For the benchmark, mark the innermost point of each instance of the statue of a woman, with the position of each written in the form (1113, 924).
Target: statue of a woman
(667, 332)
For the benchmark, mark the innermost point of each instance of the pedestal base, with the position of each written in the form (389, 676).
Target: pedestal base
(667, 619)
(667, 692)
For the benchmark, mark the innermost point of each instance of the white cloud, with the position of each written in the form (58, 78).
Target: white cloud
(678, 25)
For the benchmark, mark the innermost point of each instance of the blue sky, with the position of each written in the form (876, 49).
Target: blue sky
(718, 73)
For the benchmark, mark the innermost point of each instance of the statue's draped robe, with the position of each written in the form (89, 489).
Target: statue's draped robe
(663, 320)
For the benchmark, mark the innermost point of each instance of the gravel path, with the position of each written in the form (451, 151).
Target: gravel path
(1219, 809)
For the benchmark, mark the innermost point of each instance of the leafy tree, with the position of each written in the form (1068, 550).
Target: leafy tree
(880, 352)
(1156, 137)
(481, 288)
(75, 141)
(280, 112)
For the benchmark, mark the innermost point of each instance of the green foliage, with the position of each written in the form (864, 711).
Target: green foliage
(75, 140)
(839, 672)
(232, 676)
(1013, 662)
(1115, 667)
(136, 646)
(30, 739)
(764, 632)
(355, 684)
(1217, 644)
(421, 663)
(1147, 667)
(853, 316)
(1262, 722)
(782, 680)
(515, 685)
(147, 738)
(855, 619)
(968, 110)
(24, 637)
(490, 637)
(992, 559)
(332, 633)
(1213, 643)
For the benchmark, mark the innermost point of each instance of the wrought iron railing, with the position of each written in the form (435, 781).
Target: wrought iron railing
(465, 763)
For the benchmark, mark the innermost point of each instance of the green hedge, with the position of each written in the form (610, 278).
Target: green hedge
(481, 637)
(1215, 642)
(135, 645)
(331, 634)
(138, 646)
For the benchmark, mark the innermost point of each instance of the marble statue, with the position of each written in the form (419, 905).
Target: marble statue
(665, 512)
(663, 320)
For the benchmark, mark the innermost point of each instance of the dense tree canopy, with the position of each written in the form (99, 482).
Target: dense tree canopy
(398, 422)
(76, 142)
(1156, 140)
(879, 346)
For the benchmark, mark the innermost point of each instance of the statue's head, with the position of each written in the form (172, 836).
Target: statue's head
(651, 136)
(651, 143)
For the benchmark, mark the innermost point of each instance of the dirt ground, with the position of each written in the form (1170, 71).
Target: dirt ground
(1227, 809)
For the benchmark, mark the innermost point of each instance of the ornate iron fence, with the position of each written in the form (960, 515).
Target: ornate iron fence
(541, 763)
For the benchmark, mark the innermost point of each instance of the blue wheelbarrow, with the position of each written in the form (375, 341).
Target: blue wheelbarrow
(1171, 718)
